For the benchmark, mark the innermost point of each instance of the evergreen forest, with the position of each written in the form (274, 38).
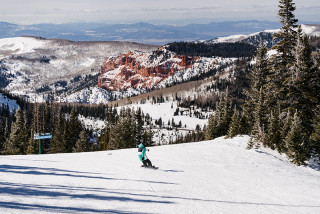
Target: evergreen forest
(281, 107)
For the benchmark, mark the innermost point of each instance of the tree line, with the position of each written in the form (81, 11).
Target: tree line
(281, 109)
(227, 50)
(125, 129)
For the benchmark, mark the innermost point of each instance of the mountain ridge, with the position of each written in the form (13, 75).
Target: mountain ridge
(144, 32)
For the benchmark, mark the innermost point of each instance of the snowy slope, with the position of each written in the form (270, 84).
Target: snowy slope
(218, 176)
(266, 35)
(32, 66)
(21, 45)
(12, 103)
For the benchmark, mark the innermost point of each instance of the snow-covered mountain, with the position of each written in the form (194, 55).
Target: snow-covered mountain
(98, 72)
(67, 71)
(149, 70)
(4, 100)
(30, 66)
(266, 36)
(218, 176)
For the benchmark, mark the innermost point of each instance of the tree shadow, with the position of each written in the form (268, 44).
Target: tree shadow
(60, 172)
(315, 167)
(105, 195)
(58, 209)
(66, 192)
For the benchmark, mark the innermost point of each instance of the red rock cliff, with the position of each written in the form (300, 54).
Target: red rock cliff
(127, 71)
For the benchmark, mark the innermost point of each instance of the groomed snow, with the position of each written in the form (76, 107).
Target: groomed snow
(218, 176)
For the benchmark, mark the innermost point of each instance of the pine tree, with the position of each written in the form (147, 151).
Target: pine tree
(260, 70)
(257, 135)
(148, 136)
(295, 143)
(244, 128)
(2, 139)
(139, 126)
(211, 127)
(284, 59)
(58, 143)
(285, 128)
(258, 132)
(314, 82)
(258, 94)
(226, 114)
(82, 144)
(234, 128)
(73, 130)
(274, 136)
(123, 132)
(17, 140)
(301, 93)
(286, 38)
(6, 130)
(315, 138)
(31, 148)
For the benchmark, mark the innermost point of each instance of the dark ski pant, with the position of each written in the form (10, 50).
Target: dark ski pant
(147, 163)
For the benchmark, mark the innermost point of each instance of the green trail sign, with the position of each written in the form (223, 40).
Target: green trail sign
(40, 136)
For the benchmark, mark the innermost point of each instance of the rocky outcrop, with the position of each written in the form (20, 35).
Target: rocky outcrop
(136, 70)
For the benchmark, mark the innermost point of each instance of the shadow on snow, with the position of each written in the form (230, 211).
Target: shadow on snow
(57, 209)
(59, 172)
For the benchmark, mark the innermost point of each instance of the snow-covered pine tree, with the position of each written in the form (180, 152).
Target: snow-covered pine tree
(82, 144)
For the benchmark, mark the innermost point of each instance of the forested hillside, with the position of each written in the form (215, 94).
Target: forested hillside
(208, 50)
(281, 109)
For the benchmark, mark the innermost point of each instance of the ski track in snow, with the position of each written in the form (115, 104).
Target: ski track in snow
(218, 176)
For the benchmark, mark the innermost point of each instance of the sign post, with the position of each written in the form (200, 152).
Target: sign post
(41, 136)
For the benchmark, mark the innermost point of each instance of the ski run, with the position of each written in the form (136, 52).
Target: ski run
(218, 176)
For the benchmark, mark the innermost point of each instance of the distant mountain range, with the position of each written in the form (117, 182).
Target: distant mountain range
(139, 32)
(98, 72)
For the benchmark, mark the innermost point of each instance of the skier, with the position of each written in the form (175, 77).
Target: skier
(143, 157)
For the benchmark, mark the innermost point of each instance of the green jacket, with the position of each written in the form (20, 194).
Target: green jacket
(142, 152)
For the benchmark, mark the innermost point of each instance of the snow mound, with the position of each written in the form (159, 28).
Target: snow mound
(21, 45)
(218, 176)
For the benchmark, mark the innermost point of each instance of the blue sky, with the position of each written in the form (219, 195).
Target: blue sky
(153, 11)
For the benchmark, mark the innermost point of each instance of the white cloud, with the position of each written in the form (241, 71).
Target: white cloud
(37, 11)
